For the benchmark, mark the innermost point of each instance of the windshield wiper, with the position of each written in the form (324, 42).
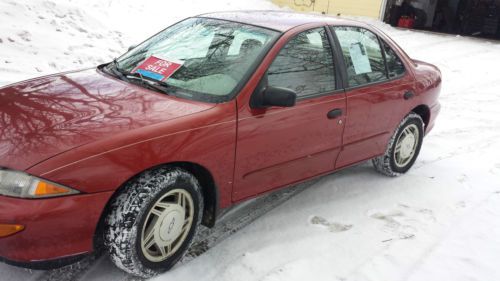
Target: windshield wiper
(126, 76)
(115, 69)
(139, 75)
(152, 84)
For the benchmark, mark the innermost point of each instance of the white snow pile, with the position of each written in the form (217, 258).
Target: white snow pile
(438, 222)
(39, 37)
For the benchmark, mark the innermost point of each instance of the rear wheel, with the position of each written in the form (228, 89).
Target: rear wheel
(403, 148)
(153, 221)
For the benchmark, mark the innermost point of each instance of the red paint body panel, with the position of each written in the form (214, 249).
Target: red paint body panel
(208, 140)
(428, 86)
(372, 115)
(50, 115)
(280, 146)
(54, 228)
(92, 132)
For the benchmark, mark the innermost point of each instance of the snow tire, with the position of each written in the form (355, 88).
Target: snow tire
(128, 215)
(386, 164)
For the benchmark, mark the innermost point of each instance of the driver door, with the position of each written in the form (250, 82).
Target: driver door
(277, 146)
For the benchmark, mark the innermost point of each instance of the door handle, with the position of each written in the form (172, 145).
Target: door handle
(408, 95)
(332, 114)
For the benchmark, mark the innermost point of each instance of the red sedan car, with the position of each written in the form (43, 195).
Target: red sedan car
(136, 154)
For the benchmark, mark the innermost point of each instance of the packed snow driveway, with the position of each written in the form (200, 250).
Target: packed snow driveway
(438, 222)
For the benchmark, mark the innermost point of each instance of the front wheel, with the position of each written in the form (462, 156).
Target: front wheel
(403, 147)
(153, 221)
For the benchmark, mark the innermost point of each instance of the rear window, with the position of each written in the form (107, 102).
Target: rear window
(395, 66)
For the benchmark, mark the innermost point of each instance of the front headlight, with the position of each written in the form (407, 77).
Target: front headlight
(22, 185)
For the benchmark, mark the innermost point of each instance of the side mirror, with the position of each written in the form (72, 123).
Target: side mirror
(282, 97)
(131, 47)
(273, 96)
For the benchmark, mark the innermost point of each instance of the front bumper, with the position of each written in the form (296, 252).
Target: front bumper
(55, 228)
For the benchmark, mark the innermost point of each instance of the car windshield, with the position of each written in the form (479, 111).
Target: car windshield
(211, 57)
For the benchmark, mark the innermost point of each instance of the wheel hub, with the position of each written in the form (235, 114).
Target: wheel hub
(407, 146)
(171, 224)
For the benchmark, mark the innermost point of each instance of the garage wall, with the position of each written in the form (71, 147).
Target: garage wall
(367, 8)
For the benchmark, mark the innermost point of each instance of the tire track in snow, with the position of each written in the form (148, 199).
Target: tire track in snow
(239, 217)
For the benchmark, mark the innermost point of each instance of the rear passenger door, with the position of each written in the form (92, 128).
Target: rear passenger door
(374, 90)
(277, 146)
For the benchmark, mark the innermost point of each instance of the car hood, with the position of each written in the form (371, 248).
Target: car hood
(46, 116)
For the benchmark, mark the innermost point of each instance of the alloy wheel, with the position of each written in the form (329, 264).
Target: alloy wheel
(167, 225)
(406, 145)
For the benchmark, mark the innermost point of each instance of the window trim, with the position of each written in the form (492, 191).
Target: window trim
(339, 57)
(338, 78)
(347, 87)
(382, 50)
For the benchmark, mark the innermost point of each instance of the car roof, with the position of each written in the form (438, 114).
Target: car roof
(278, 20)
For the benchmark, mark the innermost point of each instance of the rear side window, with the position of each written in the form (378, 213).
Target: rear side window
(394, 64)
(362, 54)
(305, 65)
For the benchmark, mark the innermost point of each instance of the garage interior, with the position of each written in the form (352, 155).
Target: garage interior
(463, 17)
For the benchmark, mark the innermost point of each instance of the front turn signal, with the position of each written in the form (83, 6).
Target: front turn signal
(9, 229)
(43, 189)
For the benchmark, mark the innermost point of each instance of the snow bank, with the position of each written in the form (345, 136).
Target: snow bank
(42, 37)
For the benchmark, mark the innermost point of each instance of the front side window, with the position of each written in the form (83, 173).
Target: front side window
(244, 40)
(215, 55)
(305, 65)
(395, 66)
(362, 55)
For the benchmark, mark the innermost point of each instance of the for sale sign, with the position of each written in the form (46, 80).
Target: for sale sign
(157, 69)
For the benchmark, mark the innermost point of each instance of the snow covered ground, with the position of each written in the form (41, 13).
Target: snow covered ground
(438, 222)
